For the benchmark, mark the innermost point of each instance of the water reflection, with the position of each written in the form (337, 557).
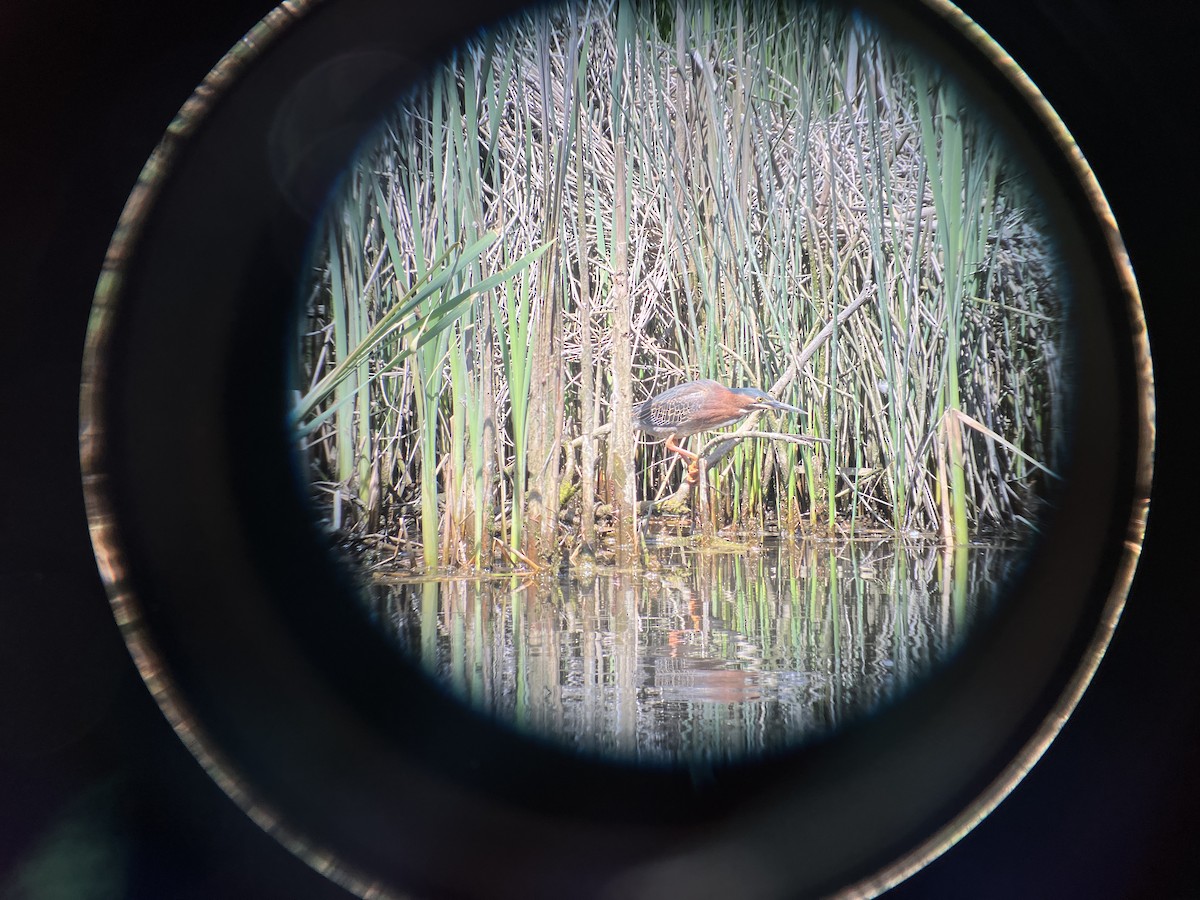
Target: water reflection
(705, 655)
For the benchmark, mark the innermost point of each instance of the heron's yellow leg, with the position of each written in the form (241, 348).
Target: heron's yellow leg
(693, 470)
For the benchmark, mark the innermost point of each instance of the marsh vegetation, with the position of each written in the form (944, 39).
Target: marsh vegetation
(594, 202)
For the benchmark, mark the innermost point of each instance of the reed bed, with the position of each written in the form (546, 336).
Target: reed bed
(598, 201)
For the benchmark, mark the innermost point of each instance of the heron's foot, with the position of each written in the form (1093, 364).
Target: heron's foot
(693, 471)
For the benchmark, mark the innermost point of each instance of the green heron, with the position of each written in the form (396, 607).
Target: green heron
(699, 406)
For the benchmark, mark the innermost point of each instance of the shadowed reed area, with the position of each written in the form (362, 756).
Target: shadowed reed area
(700, 657)
(596, 202)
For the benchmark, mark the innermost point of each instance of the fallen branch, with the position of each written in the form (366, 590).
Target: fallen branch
(805, 439)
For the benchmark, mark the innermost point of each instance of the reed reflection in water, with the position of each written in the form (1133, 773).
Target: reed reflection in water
(705, 655)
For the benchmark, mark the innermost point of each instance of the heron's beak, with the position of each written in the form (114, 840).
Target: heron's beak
(783, 407)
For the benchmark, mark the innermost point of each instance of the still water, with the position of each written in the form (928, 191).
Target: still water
(702, 654)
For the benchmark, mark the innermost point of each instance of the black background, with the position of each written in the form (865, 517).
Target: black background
(91, 776)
